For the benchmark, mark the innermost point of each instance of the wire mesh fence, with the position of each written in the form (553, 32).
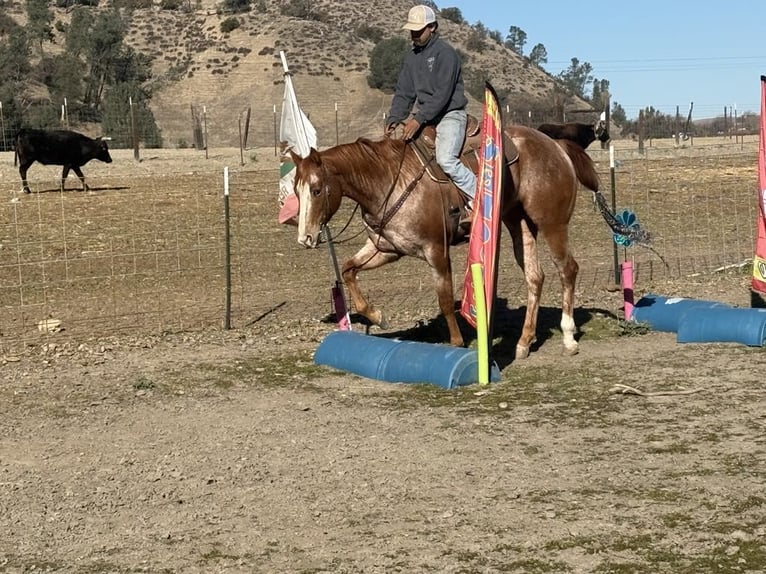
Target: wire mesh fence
(144, 251)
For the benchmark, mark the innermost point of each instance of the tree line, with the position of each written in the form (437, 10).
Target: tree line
(577, 80)
(96, 77)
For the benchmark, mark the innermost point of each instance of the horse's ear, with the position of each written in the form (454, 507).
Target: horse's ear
(315, 157)
(293, 156)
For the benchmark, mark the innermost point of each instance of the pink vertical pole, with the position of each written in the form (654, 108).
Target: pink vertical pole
(627, 288)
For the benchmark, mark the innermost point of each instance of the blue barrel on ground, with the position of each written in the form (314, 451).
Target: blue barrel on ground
(664, 313)
(397, 361)
(723, 325)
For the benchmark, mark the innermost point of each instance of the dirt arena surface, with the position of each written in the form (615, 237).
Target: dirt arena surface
(205, 450)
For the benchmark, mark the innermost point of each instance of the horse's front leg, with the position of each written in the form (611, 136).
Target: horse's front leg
(441, 266)
(368, 257)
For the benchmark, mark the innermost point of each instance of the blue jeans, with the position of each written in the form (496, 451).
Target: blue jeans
(450, 135)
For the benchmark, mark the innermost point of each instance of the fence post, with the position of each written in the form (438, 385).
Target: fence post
(241, 144)
(227, 246)
(336, 123)
(204, 124)
(2, 126)
(247, 126)
(276, 137)
(133, 133)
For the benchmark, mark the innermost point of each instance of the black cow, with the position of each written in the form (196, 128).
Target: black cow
(581, 134)
(57, 147)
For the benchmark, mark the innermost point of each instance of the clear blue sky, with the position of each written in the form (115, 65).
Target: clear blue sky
(654, 53)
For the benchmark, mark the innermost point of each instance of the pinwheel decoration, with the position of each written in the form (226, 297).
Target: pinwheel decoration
(628, 220)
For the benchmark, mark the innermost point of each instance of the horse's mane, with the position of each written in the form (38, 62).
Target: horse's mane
(370, 162)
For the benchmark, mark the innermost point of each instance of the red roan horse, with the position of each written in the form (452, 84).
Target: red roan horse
(538, 199)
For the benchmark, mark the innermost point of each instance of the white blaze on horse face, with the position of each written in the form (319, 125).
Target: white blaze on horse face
(306, 237)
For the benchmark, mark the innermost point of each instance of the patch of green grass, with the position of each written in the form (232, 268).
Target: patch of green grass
(290, 371)
(676, 519)
(749, 503)
(735, 558)
(635, 543)
(610, 567)
(215, 555)
(676, 448)
(534, 566)
(587, 544)
(569, 393)
(741, 463)
(143, 383)
(631, 329)
(726, 527)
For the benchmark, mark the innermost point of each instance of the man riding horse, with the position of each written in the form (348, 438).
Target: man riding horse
(431, 75)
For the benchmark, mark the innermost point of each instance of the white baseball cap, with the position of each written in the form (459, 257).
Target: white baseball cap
(419, 17)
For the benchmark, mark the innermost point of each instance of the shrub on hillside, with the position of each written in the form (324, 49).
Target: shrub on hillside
(385, 61)
(7, 24)
(453, 15)
(304, 10)
(372, 33)
(236, 6)
(70, 3)
(229, 24)
(170, 4)
(132, 4)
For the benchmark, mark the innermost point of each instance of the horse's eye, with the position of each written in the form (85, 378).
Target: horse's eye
(316, 191)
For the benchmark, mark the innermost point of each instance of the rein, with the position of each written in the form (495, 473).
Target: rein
(402, 198)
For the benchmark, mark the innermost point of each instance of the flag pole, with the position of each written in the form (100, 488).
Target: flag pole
(498, 200)
(483, 246)
(338, 296)
(482, 330)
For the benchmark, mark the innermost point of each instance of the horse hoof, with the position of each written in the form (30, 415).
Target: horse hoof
(572, 350)
(383, 322)
(522, 352)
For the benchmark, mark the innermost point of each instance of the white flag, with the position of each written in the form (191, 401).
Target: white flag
(298, 134)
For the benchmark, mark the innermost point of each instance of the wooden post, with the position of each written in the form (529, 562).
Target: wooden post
(608, 114)
(2, 126)
(336, 123)
(133, 131)
(247, 127)
(204, 124)
(241, 145)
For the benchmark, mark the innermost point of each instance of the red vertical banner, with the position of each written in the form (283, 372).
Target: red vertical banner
(485, 227)
(759, 260)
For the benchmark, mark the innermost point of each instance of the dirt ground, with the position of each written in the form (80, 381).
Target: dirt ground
(230, 451)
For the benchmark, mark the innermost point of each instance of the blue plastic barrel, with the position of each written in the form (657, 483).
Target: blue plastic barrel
(664, 313)
(398, 361)
(723, 325)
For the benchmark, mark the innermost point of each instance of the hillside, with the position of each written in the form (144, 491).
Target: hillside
(196, 65)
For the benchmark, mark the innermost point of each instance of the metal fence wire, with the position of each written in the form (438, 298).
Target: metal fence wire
(145, 250)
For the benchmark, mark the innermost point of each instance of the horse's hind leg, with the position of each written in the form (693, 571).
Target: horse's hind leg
(524, 239)
(368, 257)
(558, 242)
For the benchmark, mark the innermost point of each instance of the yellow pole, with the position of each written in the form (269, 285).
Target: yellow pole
(477, 276)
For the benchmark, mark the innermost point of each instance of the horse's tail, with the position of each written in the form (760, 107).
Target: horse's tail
(588, 177)
(583, 164)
